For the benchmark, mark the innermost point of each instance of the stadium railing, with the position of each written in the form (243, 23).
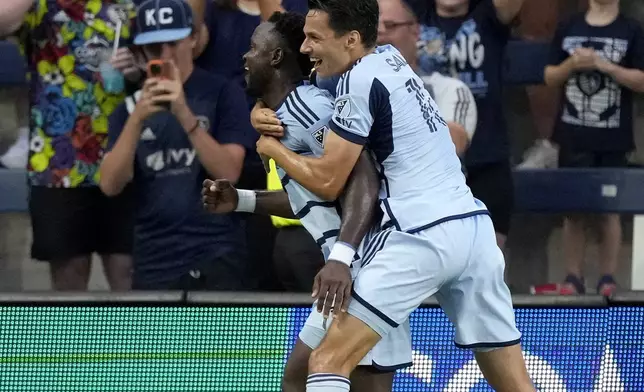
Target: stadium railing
(174, 341)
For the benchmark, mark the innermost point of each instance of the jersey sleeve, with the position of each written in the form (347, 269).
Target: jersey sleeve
(352, 117)
(309, 116)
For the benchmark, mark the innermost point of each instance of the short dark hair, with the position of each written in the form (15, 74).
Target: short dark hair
(290, 27)
(347, 15)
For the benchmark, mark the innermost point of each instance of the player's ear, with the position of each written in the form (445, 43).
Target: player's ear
(277, 56)
(353, 39)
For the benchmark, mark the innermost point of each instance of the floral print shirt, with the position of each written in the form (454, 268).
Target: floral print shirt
(64, 42)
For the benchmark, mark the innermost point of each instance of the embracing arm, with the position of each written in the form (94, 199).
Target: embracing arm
(325, 176)
(359, 202)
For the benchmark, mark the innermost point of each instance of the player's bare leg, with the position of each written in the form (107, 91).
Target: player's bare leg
(363, 379)
(297, 368)
(347, 341)
(505, 370)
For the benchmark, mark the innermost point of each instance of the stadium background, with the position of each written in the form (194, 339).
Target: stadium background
(591, 345)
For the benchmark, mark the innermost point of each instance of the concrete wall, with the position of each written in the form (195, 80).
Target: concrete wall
(534, 247)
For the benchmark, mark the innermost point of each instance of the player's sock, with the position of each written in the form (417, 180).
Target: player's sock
(327, 382)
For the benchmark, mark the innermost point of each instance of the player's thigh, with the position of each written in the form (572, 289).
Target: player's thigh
(371, 379)
(400, 270)
(478, 302)
(346, 342)
(391, 353)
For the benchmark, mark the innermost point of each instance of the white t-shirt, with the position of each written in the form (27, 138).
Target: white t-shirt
(454, 99)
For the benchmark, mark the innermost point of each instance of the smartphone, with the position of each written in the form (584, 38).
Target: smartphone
(159, 69)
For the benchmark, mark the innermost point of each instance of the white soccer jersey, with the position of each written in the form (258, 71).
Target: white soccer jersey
(382, 103)
(306, 113)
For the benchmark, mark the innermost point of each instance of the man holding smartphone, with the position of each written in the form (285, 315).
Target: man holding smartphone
(184, 126)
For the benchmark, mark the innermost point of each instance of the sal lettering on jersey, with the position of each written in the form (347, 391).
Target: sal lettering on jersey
(594, 99)
(462, 55)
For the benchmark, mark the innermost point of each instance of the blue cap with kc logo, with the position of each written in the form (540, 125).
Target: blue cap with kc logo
(161, 21)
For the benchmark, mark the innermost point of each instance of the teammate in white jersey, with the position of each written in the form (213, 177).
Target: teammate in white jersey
(435, 239)
(275, 70)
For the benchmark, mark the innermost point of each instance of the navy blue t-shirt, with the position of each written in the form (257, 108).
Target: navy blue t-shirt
(472, 48)
(596, 112)
(230, 32)
(173, 232)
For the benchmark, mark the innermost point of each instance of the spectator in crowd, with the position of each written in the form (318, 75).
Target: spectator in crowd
(467, 39)
(399, 27)
(598, 59)
(180, 129)
(230, 24)
(131, 61)
(296, 256)
(65, 43)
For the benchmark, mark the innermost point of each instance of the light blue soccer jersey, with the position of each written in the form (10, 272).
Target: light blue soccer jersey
(306, 113)
(382, 103)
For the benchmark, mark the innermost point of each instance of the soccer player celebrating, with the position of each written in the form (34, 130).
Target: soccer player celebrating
(275, 70)
(435, 238)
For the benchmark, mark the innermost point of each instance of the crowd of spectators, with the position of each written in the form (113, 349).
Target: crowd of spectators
(110, 175)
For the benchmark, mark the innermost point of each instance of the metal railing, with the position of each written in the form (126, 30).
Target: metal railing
(178, 298)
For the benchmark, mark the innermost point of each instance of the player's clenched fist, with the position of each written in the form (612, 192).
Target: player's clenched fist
(219, 196)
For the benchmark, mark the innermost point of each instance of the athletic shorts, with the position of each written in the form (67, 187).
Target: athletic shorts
(391, 353)
(492, 184)
(71, 222)
(458, 261)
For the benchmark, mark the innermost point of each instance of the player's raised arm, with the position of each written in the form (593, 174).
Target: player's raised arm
(324, 176)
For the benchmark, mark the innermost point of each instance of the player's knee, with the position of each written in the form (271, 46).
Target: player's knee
(325, 360)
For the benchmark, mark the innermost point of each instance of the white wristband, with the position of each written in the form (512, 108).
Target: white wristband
(342, 252)
(247, 200)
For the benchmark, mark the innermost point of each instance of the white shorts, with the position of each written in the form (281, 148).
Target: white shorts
(391, 353)
(456, 260)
